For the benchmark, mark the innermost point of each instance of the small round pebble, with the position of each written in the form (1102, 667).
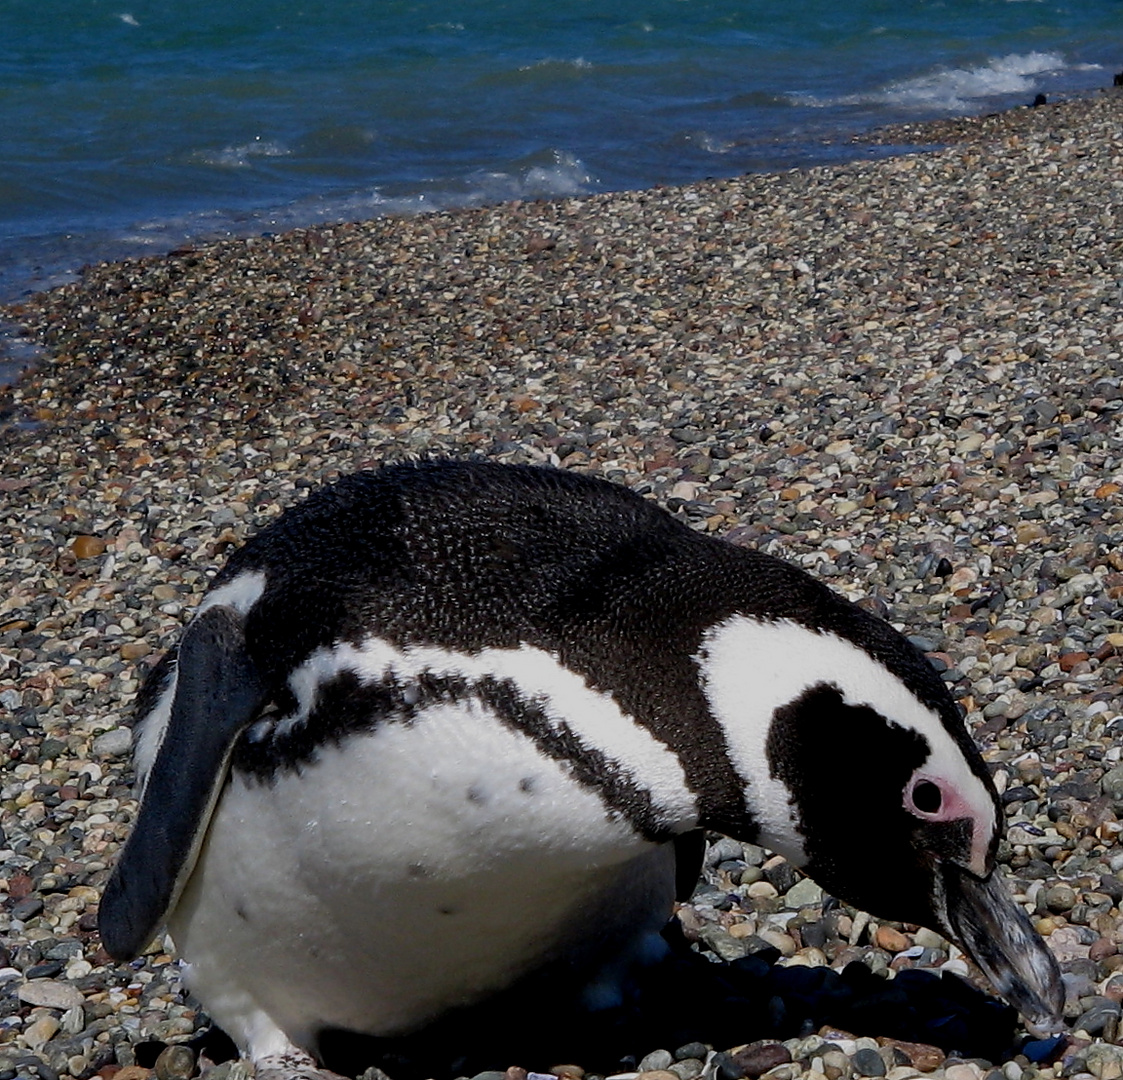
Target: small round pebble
(1060, 898)
(868, 1063)
(176, 1062)
(115, 743)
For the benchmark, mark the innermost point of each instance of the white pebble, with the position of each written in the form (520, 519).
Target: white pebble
(956, 967)
(73, 1020)
(78, 969)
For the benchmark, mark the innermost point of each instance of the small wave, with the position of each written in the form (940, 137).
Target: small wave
(241, 156)
(550, 174)
(711, 144)
(541, 74)
(543, 175)
(954, 89)
(550, 62)
(543, 183)
(128, 18)
(49, 260)
(336, 140)
(565, 175)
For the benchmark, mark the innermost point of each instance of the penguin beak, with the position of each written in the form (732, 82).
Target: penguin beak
(980, 913)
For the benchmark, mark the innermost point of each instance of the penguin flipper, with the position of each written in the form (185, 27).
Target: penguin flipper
(218, 692)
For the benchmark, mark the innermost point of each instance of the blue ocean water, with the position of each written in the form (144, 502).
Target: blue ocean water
(139, 125)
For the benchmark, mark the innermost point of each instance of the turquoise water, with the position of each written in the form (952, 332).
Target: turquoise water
(128, 126)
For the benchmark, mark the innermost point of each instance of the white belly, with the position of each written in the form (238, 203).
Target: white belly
(414, 868)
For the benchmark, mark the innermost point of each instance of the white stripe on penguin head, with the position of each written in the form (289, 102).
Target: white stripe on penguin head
(750, 668)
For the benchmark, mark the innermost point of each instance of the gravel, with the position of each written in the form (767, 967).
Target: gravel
(904, 375)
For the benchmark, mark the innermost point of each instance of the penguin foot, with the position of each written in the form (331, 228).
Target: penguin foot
(291, 1065)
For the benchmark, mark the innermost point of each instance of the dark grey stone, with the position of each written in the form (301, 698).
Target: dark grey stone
(725, 1068)
(782, 876)
(868, 1062)
(27, 908)
(1047, 412)
(814, 934)
(688, 1068)
(48, 969)
(688, 435)
(64, 950)
(691, 1050)
(1096, 1018)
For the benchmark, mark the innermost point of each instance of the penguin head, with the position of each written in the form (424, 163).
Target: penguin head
(876, 811)
(859, 770)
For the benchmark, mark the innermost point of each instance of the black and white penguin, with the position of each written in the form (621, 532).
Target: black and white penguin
(440, 727)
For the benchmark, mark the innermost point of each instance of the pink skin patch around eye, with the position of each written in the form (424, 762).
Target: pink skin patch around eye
(952, 807)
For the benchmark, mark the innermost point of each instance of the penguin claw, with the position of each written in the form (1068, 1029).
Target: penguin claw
(291, 1065)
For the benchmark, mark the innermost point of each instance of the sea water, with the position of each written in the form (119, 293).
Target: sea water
(129, 126)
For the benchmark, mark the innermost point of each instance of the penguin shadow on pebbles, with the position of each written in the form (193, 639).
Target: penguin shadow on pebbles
(687, 998)
(422, 777)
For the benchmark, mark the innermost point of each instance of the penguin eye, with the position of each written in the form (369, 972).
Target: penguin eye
(927, 797)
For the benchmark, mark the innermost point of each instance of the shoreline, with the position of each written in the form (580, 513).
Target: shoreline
(19, 350)
(904, 374)
(822, 148)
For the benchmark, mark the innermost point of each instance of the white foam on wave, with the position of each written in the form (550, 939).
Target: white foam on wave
(543, 175)
(241, 156)
(710, 143)
(955, 89)
(565, 175)
(550, 63)
(548, 174)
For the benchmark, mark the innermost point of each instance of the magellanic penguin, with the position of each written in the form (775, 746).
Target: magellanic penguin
(440, 725)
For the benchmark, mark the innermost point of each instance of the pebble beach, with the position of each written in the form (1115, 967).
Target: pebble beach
(904, 374)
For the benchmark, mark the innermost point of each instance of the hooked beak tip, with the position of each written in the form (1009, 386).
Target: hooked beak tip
(1000, 938)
